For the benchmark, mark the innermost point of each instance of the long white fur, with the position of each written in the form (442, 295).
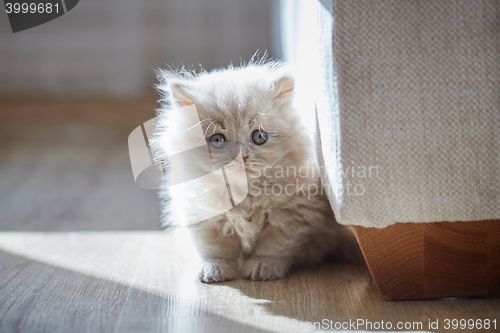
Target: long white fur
(265, 235)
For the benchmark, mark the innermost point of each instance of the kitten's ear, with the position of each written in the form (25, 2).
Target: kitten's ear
(179, 93)
(283, 88)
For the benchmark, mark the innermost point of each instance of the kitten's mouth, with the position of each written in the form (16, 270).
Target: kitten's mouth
(236, 165)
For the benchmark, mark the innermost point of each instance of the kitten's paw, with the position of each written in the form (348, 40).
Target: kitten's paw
(263, 268)
(218, 271)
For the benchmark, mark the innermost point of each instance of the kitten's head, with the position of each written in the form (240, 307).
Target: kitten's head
(245, 113)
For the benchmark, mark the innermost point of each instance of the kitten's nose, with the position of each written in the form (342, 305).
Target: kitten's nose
(241, 157)
(241, 153)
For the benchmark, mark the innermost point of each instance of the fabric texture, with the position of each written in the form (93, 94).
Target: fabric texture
(408, 104)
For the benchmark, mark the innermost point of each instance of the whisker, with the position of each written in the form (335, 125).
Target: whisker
(251, 123)
(272, 133)
(198, 123)
(213, 132)
(208, 127)
(199, 143)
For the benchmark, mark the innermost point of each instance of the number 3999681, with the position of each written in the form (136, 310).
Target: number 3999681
(464, 324)
(32, 8)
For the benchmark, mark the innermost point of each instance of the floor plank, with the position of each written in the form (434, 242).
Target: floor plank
(145, 281)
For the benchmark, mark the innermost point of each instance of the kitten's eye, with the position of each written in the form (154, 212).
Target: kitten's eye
(259, 137)
(218, 141)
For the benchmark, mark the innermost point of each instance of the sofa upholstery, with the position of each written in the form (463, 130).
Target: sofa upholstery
(410, 89)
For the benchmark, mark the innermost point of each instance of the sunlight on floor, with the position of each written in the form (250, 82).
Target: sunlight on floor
(155, 262)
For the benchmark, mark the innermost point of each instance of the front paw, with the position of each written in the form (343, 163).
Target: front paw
(218, 271)
(264, 268)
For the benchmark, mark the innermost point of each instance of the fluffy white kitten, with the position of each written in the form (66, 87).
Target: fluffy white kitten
(246, 115)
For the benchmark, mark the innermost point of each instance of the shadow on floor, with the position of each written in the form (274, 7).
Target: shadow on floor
(37, 297)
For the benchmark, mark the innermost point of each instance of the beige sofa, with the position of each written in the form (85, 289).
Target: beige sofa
(407, 95)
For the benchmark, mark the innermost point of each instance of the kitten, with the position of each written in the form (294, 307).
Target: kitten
(247, 120)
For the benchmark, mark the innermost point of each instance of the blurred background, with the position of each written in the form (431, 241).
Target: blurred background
(72, 90)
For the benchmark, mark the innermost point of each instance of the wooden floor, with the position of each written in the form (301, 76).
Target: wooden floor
(64, 165)
(81, 250)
